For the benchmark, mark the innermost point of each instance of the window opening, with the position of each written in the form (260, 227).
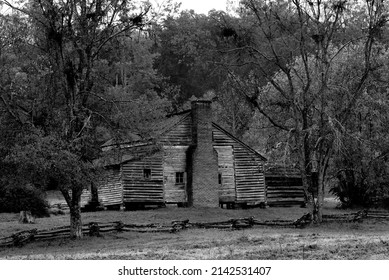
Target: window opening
(147, 173)
(179, 177)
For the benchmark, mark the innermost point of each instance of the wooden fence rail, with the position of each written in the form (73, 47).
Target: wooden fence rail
(96, 229)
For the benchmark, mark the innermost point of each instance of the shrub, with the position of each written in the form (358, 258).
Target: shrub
(14, 199)
(363, 185)
(349, 191)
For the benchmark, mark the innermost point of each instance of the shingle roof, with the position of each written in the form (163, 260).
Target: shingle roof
(157, 129)
(167, 124)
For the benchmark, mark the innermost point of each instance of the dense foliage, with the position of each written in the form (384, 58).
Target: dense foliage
(304, 82)
(23, 198)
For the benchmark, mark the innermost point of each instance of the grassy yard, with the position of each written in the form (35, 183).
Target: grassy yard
(366, 240)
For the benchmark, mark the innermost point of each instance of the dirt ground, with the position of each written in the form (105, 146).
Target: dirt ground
(366, 240)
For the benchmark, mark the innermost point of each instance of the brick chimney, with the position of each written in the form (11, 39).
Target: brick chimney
(204, 174)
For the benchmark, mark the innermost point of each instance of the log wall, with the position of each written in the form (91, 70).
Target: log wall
(241, 168)
(175, 160)
(250, 181)
(110, 188)
(284, 186)
(249, 173)
(137, 188)
(226, 168)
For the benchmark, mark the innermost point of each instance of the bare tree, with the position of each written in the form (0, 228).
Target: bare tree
(321, 70)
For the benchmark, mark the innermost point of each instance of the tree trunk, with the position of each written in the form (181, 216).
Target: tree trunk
(73, 199)
(305, 182)
(321, 186)
(318, 215)
(303, 158)
(75, 222)
(26, 217)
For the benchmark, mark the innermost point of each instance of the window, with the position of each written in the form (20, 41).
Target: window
(220, 178)
(147, 173)
(179, 177)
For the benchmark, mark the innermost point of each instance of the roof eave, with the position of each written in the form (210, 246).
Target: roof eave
(239, 141)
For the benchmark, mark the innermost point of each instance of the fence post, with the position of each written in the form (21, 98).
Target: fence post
(119, 225)
(94, 229)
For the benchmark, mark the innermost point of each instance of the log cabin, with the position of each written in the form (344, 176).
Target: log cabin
(284, 186)
(189, 161)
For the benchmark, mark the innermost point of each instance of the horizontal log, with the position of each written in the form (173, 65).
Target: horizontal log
(276, 196)
(285, 184)
(285, 189)
(154, 196)
(289, 197)
(143, 183)
(376, 216)
(279, 199)
(5, 239)
(108, 229)
(143, 195)
(142, 192)
(111, 195)
(143, 189)
(110, 200)
(144, 200)
(250, 182)
(285, 200)
(111, 191)
(134, 190)
(250, 188)
(111, 203)
(49, 236)
(170, 229)
(140, 225)
(246, 158)
(284, 204)
(55, 231)
(249, 198)
(380, 212)
(249, 185)
(244, 173)
(6, 244)
(242, 194)
(248, 194)
(249, 176)
(282, 173)
(286, 193)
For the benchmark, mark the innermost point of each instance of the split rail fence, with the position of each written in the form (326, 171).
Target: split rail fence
(96, 229)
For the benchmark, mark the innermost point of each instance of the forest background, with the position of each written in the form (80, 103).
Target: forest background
(303, 82)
